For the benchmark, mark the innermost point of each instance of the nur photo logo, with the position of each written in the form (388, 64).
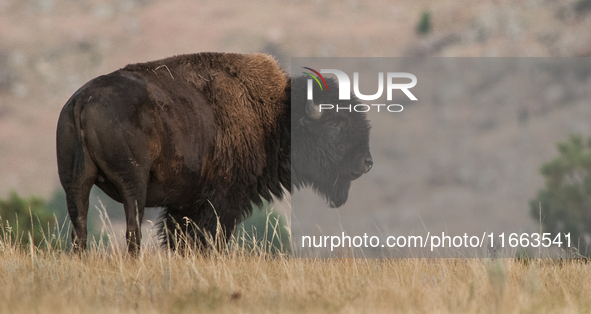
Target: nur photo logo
(344, 82)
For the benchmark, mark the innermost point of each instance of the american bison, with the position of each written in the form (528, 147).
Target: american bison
(205, 136)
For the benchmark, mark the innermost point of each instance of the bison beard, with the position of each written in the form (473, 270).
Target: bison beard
(205, 136)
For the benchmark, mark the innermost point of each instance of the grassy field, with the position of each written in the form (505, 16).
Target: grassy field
(245, 280)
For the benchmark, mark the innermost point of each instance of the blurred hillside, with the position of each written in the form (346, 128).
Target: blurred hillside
(49, 48)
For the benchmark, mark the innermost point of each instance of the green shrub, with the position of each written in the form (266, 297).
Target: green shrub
(265, 229)
(24, 219)
(424, 26)
(565, 202)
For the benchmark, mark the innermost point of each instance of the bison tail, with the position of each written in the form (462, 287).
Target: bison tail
(79, 146)
(70, 142)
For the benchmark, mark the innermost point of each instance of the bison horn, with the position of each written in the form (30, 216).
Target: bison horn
(312, 110)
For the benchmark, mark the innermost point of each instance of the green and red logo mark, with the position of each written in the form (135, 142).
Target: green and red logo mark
(316, 77)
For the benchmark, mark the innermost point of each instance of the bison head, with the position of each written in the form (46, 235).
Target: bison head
(329, 148)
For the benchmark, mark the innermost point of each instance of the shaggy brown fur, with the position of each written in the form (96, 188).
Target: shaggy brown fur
(245, 105)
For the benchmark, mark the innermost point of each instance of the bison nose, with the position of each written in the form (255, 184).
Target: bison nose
(368, 163)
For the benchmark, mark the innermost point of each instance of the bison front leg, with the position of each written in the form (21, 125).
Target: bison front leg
(197, 227)
(180, 231)
(227, 227)
(217, 227)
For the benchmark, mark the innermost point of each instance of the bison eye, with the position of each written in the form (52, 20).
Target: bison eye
(333, 128)
(334, 124)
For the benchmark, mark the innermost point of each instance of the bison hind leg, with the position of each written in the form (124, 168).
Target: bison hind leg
(77, 174)
(77, 198)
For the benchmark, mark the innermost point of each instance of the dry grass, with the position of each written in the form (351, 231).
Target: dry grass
(241, 280)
